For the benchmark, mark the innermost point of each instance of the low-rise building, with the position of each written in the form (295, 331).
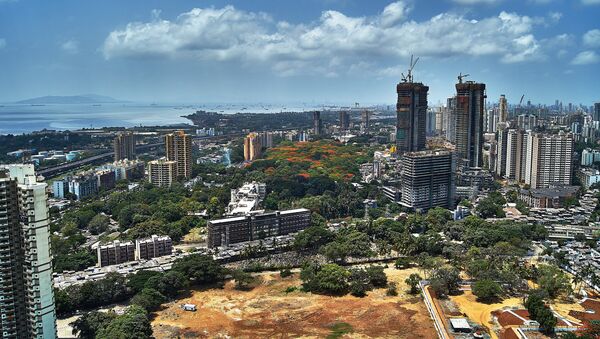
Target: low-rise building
(588, 177)
(254, 226)
(551, 197)
(115, 253)
(152, 247)
(246, 198)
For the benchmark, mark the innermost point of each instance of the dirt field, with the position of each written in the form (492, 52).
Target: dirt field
(480, 312)
(268, 311)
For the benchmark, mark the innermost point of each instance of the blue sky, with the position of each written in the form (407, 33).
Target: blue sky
(338, 51)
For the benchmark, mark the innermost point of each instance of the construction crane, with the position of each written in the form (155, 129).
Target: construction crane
(521, 101)
(409, 77)
(461, 76)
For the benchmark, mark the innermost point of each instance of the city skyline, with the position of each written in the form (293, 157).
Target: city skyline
(318, 51)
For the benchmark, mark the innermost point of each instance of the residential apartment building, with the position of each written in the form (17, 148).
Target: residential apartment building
(428, 180)
(115, 253)
(152, 247)
(470, 101)
(252, 147)
(124, 146)
(26, 295)
(549, 159)
(223, 232)
(178, 147)
(162, 173)
(411, 115)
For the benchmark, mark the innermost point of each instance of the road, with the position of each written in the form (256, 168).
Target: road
(56, 170)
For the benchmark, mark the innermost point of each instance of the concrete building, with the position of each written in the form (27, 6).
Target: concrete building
(153, 247)
(516, 155)
(124, 146)
(550, 197)
(127, 169)
(246, 198)
(162, 172)
(411, 115)
(344, 121)
(365, 121)
(428, 180)
(317, 123)
(526, 121)
(596, 115)
(106, 179)
(83, 186)
(549, 159)
(179, 149)
(266, 139)
(252, 147)
(588, 177)
(26, 294)
(501, 152)
(60, 188)
(589, 156)
(470, 101)
(450, 125)
(223, 232)
(115, 253)
(502, 110)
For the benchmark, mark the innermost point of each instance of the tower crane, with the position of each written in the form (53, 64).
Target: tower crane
(409, 76)
(461, 76)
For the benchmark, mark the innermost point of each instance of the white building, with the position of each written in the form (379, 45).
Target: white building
(246, 198)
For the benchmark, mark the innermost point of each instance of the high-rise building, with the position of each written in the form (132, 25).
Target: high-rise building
(596, 115)
(549, 159)
(526, 121)
(411, 113)
(470, 100)
(317, 123)
(501, 152)
(26, 295)
(266, 139)
(450, 125)
(516, 154)
(428, 179)
(252, 147)
(502, 109)
(365, 121)
(344, 120)
(124, 146)
(162, 172)
(179, 149)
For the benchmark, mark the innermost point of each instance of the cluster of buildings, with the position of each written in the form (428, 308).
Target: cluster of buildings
(41, 156)
(89, 183)
(26, 296)
(119, 252)
(176, 165)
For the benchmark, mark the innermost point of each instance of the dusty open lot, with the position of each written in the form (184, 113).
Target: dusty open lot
(268, 311)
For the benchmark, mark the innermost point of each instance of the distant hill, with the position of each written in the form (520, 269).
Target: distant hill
(72, 99)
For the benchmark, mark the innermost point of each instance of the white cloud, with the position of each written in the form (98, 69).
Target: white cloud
(590, 2)
(586, 58)
(475, 2)
(70, 46)
(592, 38)
(2, 43)
(330, 45)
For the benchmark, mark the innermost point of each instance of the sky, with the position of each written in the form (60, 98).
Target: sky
(310, 51)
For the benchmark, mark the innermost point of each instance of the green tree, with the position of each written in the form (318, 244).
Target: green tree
(134, 324)
(243, 280)
(553, 280)
(332, 279)
(413, 283)
(202, 269)
(99, 224)
(312, 238)
(402, 263)
(360, 282)
(377, 276)
(89, 324)
(487, 290)
(148, 299)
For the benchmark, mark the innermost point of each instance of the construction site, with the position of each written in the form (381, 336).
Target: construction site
(277, 308)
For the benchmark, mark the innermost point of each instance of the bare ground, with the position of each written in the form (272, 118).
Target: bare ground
(267, 311)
